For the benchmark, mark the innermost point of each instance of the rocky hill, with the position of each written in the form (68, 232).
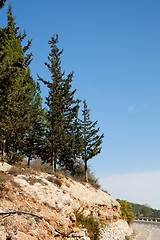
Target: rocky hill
(37, 205)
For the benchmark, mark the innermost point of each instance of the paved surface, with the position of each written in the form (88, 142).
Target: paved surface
(146, 231)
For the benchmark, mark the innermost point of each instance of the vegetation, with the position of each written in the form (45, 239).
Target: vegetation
(62, 111)
(20, 101)
(145, 211)
(56, 135)
(90, 224)
(91, 141)
(133, 210)
(126, 210)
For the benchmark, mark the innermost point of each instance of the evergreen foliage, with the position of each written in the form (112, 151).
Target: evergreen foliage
(62, 111)
(91, 140)
(34, 137)
(126, 210)
(56, 134)
(19, 93)
(91, 224)
(145, 211)
(70, 157)
(140, 210)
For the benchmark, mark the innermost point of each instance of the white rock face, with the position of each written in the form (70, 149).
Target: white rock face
(116, 231)
(5, 167)
(66, 196)
(71, 196)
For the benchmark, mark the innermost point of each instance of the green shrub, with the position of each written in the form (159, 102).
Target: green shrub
(126, 210)
(90, 224)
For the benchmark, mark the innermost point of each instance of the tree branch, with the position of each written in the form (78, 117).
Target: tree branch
(20, 212)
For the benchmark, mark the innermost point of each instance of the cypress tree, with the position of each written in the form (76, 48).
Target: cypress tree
(91, 139)
(18, 91)
(62, 108)
(71, 153)
(33, 140)
(73, 143)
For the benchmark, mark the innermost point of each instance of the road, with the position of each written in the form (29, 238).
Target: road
(146, 230)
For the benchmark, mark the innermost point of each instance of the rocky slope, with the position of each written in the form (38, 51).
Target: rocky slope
(37, 205)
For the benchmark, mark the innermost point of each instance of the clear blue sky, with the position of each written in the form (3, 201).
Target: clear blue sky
(113, 47)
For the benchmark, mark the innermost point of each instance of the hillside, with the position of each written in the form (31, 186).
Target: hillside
(145, 211)
(38, 205)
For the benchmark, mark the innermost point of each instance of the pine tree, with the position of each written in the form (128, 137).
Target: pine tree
(62, 108)
(91, 139)
(18, 91)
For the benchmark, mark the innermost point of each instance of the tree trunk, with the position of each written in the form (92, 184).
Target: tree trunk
(53, 160)
(86, 172)
(29, 159)
(3, 151)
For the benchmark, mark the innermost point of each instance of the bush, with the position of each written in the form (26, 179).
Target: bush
(126, 211)
(90, 224)
(14, 157)
(37, 165)
(79, 175)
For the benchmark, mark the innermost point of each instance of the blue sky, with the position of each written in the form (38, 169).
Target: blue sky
(113, 47)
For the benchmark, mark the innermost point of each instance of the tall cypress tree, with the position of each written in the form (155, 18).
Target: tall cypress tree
(73, 141)
(62, 108)
(10, 58)
(18, 91)
(92, 141)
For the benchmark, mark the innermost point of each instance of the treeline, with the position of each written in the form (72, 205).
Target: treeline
(131, 210)
(145, 211)
(55, 134)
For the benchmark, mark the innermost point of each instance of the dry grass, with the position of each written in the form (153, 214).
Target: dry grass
(54, 180)
(3, 179)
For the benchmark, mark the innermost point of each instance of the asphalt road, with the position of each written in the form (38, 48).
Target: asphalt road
(146, 230)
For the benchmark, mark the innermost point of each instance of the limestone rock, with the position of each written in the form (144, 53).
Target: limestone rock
(56, 200)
